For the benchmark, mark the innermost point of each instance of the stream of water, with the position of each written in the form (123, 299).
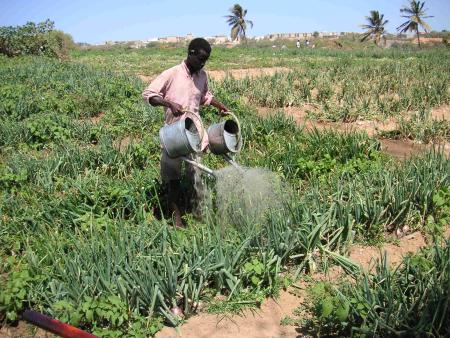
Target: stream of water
(248, 193)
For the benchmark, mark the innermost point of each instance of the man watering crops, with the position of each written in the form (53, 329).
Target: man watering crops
(182, 88)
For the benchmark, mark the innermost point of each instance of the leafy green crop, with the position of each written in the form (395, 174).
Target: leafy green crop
(81, 203)
(410, 299)
(14, 295)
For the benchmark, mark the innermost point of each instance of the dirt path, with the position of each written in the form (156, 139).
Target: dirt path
(264, 322)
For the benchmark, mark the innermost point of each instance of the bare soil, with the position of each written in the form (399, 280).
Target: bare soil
(301, 115)
(441, 113)
(23, 330)
(402, 149)
(264, 322)
(366, 255)
(146, 78)
(97, 118)
(123, 143)
(428, 40)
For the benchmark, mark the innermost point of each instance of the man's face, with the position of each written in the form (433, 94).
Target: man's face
(197, 59)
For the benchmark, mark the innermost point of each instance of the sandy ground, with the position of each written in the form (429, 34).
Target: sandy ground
(441, 113)
(264, 322)
(24, 330)
(97, 118)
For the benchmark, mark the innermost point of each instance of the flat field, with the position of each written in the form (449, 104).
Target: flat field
(82, 232)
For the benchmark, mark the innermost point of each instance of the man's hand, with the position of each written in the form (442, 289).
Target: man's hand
(224, 113)
(223, 110)
(177, 109)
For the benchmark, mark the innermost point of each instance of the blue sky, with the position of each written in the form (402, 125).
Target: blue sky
(95, 21)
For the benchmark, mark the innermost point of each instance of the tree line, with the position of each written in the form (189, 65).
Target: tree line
(44, 39)
(414, 12)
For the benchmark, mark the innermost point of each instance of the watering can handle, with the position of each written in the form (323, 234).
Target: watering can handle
(237, 122)
(191, 114)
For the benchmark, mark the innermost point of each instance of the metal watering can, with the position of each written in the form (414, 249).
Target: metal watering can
(182, 137)
(225, 137)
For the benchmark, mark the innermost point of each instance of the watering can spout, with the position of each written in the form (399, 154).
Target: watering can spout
(200, 166)
(230, 160)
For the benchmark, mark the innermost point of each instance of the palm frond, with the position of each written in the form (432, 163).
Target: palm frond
(374, 26)
(365, 36)
(415, 13)
(237, 22)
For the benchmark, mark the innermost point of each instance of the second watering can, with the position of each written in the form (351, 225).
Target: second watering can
(225, 137)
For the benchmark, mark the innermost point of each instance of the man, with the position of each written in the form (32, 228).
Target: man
(182, 88)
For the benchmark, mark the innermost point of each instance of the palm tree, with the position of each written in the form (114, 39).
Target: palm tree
(237, 22)
(375, 27)
(415, 15)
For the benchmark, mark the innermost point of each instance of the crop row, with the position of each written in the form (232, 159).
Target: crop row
(79, 212)
(347, 91)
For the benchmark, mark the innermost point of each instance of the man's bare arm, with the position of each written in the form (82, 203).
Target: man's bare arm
(176, 108)
(223, 110)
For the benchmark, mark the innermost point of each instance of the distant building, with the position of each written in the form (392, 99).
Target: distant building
(288, 36)
(176, 39)
(300, 35)
(170, 39)
(217, 39)
(329, 34)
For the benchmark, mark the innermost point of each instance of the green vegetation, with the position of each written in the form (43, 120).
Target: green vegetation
(35, 39)
(81, 237)
(415, 13)
(346, 88)
(374, 27)
(238, 23)
(334, 84)
(422, 127)
(410, 299)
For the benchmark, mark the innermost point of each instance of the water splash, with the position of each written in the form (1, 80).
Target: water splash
(247, 194)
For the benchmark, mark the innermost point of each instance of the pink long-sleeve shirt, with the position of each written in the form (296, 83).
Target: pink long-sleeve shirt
(176, 84)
